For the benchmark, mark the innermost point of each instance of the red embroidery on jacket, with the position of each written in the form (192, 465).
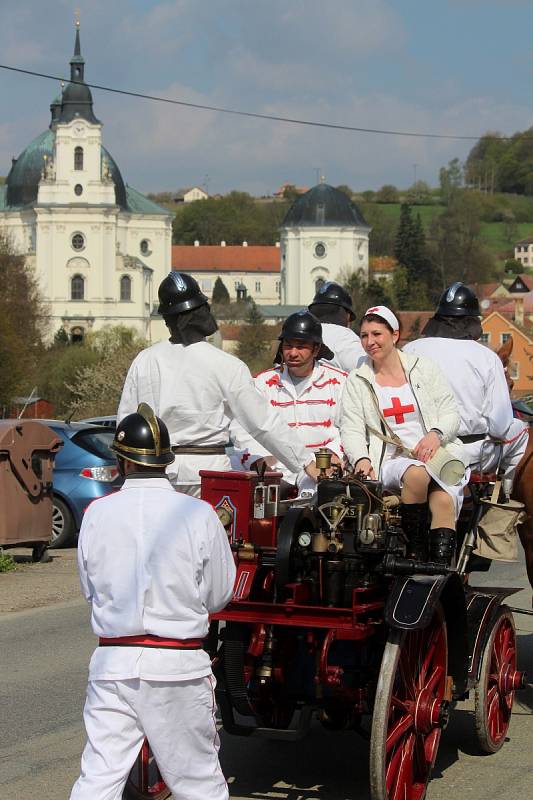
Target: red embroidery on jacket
(332, 381)
(281, 404)
(327, 423)
(320, 444)
(275, 380)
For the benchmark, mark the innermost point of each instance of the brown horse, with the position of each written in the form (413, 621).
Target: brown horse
(523, 483)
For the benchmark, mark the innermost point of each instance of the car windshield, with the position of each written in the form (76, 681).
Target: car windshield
(96, 442)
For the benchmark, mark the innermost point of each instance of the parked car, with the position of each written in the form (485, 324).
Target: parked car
(107, 422)
(84, 470)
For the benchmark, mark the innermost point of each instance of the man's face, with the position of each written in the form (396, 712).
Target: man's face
(299, 355)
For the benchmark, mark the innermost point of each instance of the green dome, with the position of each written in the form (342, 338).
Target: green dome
(23, 179)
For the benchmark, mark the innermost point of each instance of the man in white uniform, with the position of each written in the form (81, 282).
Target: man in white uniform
(476, 376)
(304, 390)
(332, 305)
(153, 564)
(198, 389)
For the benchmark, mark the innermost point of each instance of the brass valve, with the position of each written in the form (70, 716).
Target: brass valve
(323, 461)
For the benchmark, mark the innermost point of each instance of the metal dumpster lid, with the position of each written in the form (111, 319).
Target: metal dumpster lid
(19, 439)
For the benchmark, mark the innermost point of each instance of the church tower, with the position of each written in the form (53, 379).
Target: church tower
(99, 247)
(323, 236)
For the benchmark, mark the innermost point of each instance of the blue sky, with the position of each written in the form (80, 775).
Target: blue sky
(460, 67)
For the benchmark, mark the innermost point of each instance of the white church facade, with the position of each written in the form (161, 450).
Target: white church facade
(98, 247)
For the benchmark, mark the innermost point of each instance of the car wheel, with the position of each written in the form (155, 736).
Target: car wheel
(63, 527)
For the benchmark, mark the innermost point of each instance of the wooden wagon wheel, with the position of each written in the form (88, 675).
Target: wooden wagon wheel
(409, 711)
(498, 680)
(145, 781)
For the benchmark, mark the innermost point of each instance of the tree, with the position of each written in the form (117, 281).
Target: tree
(254, 341)
(412, 279)
(346, 189)
(388, 194)
(220, 293)
(419, 194)
(455, 246)
(98, 386)
(513, 265)
(364, 294)
(450, 179)
(23, 323)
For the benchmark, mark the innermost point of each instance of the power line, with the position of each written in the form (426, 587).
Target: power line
(254, 115)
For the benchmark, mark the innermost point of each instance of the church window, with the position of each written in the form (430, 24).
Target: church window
(258, 286)
(78, 241)
(78, 189)
(77, 288)
(125, 288)
(78, 158)
(320, 249)
(145, 247)
(278, 286)
(319, 283)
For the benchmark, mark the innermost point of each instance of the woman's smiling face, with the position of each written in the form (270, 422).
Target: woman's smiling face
(377, 339)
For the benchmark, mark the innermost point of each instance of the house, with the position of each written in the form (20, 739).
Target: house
(279, 194)
(190, 195)
(496, 331)
(523, 251)
(253, 270)
(381, 267)
(31, 408)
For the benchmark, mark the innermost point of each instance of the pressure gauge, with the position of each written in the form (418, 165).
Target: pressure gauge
(367, 536)
(304, 539)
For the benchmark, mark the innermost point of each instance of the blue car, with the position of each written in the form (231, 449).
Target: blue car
(84, 469)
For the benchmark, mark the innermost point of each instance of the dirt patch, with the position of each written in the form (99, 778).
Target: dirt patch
(34, 585)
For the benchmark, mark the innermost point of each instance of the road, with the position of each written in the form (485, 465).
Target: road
(43, 666)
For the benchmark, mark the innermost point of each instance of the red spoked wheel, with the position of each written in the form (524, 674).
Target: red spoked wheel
(498, 680)
(410, 711)
(145, 781)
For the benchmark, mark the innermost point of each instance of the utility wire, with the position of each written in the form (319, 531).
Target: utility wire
(255, 115)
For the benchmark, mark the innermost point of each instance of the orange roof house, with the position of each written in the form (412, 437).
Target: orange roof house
(226, 258)
(497, 329)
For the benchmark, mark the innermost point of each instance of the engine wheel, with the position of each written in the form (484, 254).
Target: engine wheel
(409, 711)
(498, 679)
(145, 781)
(63, 527)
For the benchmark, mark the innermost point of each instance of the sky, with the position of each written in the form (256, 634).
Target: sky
(449, 67)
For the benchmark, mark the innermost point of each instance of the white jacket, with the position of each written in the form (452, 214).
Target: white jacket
(197, 390)
(152, 561)
(477, 380)
(345, 345)
(433, 395)
(314, 412)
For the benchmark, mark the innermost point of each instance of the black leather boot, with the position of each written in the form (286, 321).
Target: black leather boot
(415, 526)
(442, 546)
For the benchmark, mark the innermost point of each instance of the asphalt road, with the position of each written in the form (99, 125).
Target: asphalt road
(43, 666)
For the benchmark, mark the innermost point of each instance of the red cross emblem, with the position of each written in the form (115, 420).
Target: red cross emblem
(397, 411)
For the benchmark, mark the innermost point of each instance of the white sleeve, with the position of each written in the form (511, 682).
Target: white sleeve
(218, 576)
(447, 411)
(246, 447)
(353, 424)
(349, 351)
(83, 540)
(129, 399)
(497, 407)
(253, 411)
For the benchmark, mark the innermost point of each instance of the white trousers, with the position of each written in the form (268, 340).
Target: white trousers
(488, 454)
(177, 717)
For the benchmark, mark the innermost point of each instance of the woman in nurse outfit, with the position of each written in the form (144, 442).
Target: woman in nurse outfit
(408, 396)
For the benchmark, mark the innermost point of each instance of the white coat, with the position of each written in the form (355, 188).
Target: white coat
(197, 390)
(345, 344)
(434, 398)
(152, 561)
(477, 378)
(312, 410)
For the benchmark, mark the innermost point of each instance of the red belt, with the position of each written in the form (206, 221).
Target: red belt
(147, 640)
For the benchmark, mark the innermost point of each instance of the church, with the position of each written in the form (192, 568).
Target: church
(99, 248)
